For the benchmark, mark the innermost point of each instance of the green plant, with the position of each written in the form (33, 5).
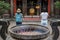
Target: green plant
(57, 4)
(57, 7)
(3, 7)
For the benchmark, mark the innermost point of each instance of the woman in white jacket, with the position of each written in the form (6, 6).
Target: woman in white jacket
(44, 18)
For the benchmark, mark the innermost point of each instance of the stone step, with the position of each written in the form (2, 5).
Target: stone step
(29, 19)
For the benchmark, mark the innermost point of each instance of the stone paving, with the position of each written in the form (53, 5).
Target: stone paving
(13, 24)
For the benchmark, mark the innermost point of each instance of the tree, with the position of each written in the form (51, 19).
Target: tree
(57, 6)
(4, 6)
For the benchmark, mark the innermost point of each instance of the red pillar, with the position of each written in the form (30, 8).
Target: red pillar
(49, 1)
(14, 8)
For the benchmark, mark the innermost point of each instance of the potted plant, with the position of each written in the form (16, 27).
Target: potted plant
(57, 6)
(4, 7)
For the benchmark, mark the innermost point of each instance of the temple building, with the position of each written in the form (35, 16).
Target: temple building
(31, 7)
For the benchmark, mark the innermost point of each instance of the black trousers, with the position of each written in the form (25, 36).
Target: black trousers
(55, 30)
(18, 23)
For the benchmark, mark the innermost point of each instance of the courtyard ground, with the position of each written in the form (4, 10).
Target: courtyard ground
(12, 23)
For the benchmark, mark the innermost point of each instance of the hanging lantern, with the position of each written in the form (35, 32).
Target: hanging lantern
(37, 6)
(32, 11)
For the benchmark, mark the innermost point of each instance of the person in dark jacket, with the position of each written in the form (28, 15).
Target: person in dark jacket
(3, 29)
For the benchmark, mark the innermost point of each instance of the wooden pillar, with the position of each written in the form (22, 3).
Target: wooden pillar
(24, 9)
(49, 1)
(52, 7)
(11, 8)
(39, 9)
(14, 8)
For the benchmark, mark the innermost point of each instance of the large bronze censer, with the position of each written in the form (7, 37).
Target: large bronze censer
(29, 32)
